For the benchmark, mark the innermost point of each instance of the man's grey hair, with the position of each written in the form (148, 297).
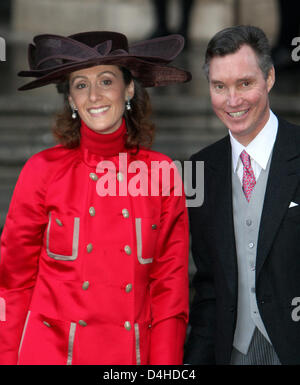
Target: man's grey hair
(231, 39)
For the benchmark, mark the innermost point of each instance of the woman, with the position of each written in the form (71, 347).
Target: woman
(93, 269)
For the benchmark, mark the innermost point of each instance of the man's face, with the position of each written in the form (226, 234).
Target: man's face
(239, 93)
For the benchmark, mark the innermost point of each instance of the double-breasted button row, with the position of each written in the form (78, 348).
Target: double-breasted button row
(92, 212)
(127, 248)
(94, 177)
(89, 247)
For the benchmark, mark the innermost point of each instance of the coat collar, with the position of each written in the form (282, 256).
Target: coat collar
(96, 147)
(223, 211)
(103, 144)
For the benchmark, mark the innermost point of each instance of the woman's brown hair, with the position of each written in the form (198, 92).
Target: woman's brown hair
(66, 130)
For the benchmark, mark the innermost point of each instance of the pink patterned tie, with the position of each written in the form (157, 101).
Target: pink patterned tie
(248, 175)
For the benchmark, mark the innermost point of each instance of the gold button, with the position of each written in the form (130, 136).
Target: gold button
(85, 285)
(127, 325)
(154, 227)
(120, 177)
(125, 213)
(89, 247)
(47, 324)
(93, 176)
(59, 222)
(92, 211)
(127, 250)
(128, 288)
(82, 323)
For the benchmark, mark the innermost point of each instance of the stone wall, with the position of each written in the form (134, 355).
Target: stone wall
(134, 17)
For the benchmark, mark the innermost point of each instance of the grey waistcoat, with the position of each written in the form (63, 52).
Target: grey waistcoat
(246, 218)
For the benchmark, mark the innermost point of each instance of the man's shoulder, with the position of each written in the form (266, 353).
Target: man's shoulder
(289, 133)
(211, 151)
(290, 127)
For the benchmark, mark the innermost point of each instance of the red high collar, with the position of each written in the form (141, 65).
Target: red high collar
(103, 144)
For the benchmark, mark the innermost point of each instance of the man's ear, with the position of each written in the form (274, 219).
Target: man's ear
(271, 78)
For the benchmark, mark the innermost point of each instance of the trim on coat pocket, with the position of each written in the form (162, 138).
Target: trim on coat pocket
(137, 344)
(2, 310)
(138, 229)
(74, 245)
(23, 334)
(71, 342)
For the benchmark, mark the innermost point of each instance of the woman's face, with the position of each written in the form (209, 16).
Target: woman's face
(99, 93)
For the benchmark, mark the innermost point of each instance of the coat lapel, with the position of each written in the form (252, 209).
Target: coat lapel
(223, 216)
(281, 185)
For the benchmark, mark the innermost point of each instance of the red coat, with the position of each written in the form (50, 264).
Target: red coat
(86, 279)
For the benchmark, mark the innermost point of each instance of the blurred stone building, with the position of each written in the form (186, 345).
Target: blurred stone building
(135, 17)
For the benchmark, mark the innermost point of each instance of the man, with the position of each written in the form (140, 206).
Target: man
(246, 235)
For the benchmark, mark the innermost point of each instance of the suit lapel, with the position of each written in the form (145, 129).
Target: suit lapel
(223, 216)
(281, 185)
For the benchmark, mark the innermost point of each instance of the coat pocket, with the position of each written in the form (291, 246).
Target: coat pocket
(47, 341)
(62, 238)
(146, 237)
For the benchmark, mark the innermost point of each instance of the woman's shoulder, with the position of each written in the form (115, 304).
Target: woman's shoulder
(50, 155)
(46, 162)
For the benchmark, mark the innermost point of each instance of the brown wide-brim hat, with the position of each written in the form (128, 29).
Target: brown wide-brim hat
(52, 57)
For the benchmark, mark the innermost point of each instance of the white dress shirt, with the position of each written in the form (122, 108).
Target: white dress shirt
(259, 149)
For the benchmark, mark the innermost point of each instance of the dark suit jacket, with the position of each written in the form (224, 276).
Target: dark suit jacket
(214, 308)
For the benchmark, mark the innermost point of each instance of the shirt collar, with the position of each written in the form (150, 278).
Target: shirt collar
(260, 147)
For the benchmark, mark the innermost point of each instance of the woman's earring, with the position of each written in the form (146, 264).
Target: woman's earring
(74, 112)
(128, 105)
